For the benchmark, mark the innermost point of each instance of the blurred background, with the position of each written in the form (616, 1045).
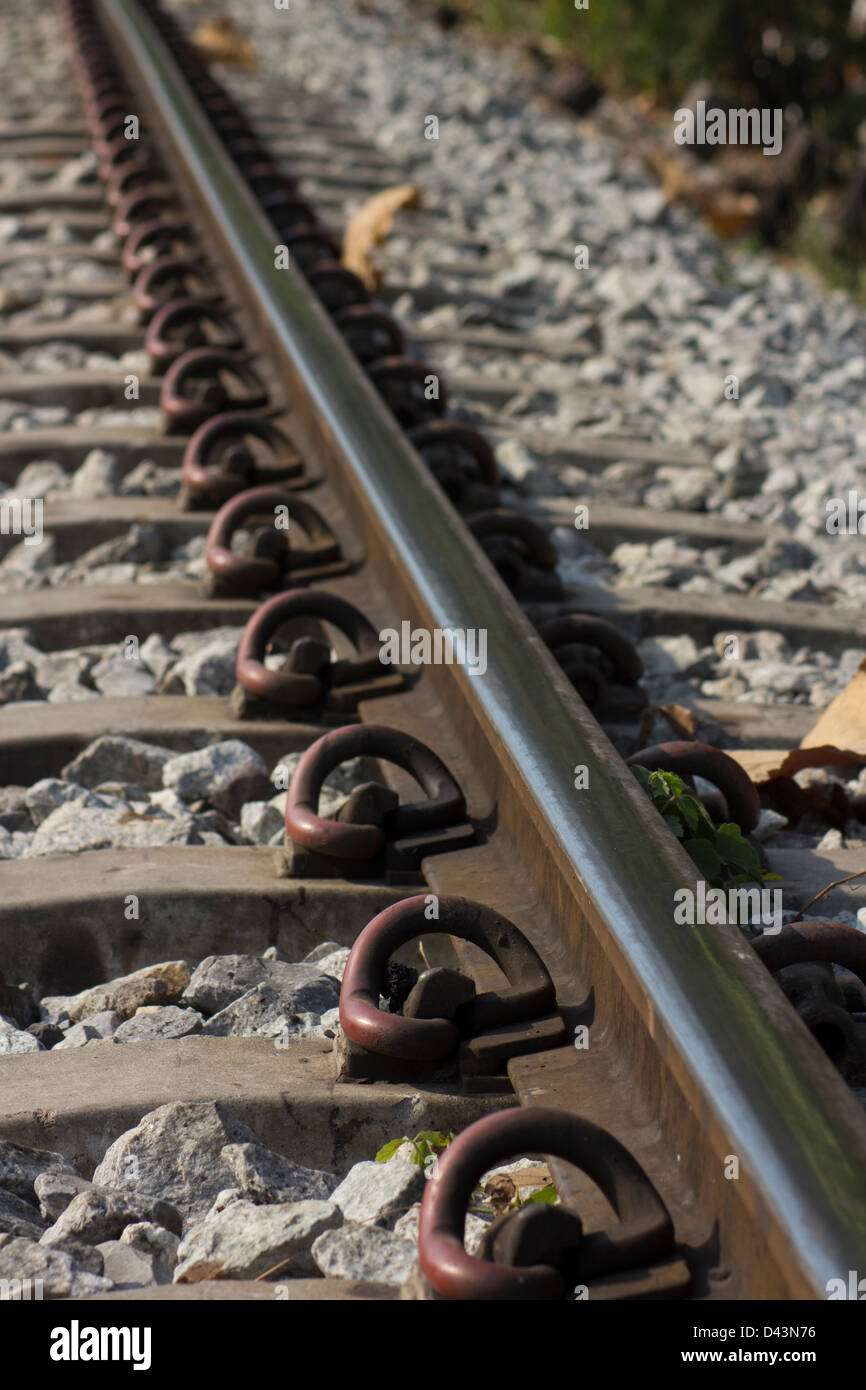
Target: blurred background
(621, 61)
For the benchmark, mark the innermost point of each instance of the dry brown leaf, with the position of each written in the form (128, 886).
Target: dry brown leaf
(838, 738)
(682, 720)
(500, 1192)
(843, 722)
(221, 41)
(538, 1176)
(369, 227)
(676, 181)
(729, 213)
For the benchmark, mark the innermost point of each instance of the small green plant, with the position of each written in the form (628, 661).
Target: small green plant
(427, 1144)
(721, 852)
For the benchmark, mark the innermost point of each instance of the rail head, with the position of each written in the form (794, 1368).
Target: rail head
(697, 990)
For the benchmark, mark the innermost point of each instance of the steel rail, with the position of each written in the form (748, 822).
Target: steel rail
(737, 1066)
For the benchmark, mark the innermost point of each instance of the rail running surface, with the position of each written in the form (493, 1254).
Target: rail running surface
(695, 1056)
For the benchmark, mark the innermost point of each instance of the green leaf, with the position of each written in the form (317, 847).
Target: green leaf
(674, 825)
(545, 1194)
(432, 1136)
(690, 810)
(702, 854)
(388, 1150)
(734, 849)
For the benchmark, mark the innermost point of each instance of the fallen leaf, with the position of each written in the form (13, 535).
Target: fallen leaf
(728, 211)
(532, 1177)
(369, 227)
(682, 720)
(500, 1192)
(221, 41)
(837, 739)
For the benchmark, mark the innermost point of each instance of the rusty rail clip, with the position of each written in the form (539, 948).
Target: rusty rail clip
(520, 550)
(601, 662)
(178, 326)
(160, 236)
(311, 679)
(403, 383)
(445, 1025)
(193, 388)
(543, 1252)
(208, 480)
(693, 759)
(273, 560)
(803, 955)
(461, 461)
(373, 833)
(169, 277)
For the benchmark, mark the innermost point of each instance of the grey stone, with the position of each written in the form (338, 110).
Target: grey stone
(97, 476)
(168, 801)
(157, 655)
(365, 1253)
(174, 1154)
(379, 1193)
(76, 827)
(40, 478)
(129, 792)
(260, 821)
(263, 1176)
(29, 558)
(58, 668)
(336, 786)
(220, 980)
(407, 1228)
(7, 845)
(324, 948)
(14, 814)
(60, 1275)
(65, 691)
(156, 1242)
(334, 963)
(15, 646)
(102, 1213)
(225, 774)
(20, 1167)
(49, 793)
(217, 980)
(150, 480)
(87, 1257)
(79, 1035)
(246, 1242)
(14, 1039)
(163, 983)
(208, 671)
(18, 683)
(141, 544)
(19, 1217)
(270, 1010)
(114, 757)
(226, 1198)
(105, 1022)
(167, 1022)
(127, 1267)
(55, 1190)
(123, 676)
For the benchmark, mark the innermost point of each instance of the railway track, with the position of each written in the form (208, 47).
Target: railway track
(712, 1148)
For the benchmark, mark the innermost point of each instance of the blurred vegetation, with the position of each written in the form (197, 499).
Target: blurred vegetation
(776, 52)
(808, 58)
